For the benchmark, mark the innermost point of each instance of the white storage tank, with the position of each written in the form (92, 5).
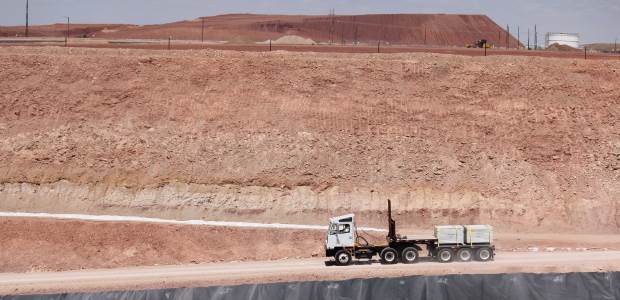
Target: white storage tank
(478, 234)
(568, 39)
(449, 234)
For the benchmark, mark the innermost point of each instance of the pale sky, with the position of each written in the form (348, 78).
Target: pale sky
(594, 20)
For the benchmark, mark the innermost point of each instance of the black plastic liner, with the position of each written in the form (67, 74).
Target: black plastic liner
(503, 286)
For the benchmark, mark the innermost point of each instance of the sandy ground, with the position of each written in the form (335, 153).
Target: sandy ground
(37, 245)
(159, 44)
(293, 270)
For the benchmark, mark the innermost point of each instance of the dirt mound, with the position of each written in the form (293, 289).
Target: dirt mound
(603, 47)
(66, 245)
(292, 40)
(429, 29)
(523, 143)
(558, 47)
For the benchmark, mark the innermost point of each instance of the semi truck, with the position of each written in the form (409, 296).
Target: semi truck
(449, 243)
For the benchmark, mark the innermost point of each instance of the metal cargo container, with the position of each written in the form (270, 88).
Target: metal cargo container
(568, 39)
(449, 234)
(478, 234)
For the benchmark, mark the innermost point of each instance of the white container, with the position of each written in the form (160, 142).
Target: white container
(449, 234)
(475, 234)
(568, 39)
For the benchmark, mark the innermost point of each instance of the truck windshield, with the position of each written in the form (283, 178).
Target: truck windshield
(339, 228)
(333, 228)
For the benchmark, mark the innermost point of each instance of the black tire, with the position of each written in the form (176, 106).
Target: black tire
(445, 255)
(389, 256)
(343, 258)
(465, 255)
(484, 254)
(409, 255)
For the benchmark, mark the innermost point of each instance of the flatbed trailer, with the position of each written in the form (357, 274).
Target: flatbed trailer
(343, 243)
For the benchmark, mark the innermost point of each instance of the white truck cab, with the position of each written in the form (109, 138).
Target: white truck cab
(341, 233)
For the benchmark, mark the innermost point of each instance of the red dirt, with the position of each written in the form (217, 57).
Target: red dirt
(55, 245)
(30, 245)
(420, 29)
(522, 143)
(186, 45)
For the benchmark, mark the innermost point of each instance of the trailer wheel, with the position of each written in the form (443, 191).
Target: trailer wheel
(464, 254)
(389, 256)
(445, 255)
(409, 255)
(484, 254)
(343, 258)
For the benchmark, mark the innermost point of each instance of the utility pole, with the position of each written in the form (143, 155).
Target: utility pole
(202, 32)
(518, 37)
(67, 35)
(499, 38)
(507, 36)
(528, 39)
(26, 18)
(332, 25)
(535, 37)
(424, 35)
(616, 45)
(355, 38)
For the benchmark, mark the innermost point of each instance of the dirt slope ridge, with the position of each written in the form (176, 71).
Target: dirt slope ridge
(419, 29)
(522, 143)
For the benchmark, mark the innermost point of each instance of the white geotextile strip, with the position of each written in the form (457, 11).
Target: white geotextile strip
(107, 218)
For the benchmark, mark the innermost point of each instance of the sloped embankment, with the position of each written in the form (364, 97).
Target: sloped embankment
(522, 143)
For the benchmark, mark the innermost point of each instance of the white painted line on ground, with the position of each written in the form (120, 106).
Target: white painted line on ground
(108, 218)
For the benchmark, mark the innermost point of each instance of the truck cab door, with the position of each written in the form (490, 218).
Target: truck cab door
(341, 235)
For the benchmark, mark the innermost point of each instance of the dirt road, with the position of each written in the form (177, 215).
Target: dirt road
(293, 270)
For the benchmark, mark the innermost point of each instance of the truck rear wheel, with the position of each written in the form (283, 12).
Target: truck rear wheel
(343, 258)
(464, 254)
(409, 255)
(484, 254)
(445, 255)
(389, 256)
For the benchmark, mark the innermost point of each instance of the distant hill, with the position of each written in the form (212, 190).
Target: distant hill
(429, 29)
(604, 47)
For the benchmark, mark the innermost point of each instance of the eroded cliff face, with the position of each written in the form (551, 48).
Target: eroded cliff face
(523, 143)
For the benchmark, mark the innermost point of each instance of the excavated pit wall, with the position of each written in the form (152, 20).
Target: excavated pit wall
(522, 143)
(603, 286)
(302, 205)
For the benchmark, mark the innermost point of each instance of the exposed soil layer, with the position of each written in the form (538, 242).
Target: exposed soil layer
(420, 29)
(35, 245)
(522, 143)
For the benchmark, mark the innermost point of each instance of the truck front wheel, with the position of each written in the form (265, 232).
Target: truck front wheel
(389, 256)
(409, 255)
(445, 255)
(343, 258)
